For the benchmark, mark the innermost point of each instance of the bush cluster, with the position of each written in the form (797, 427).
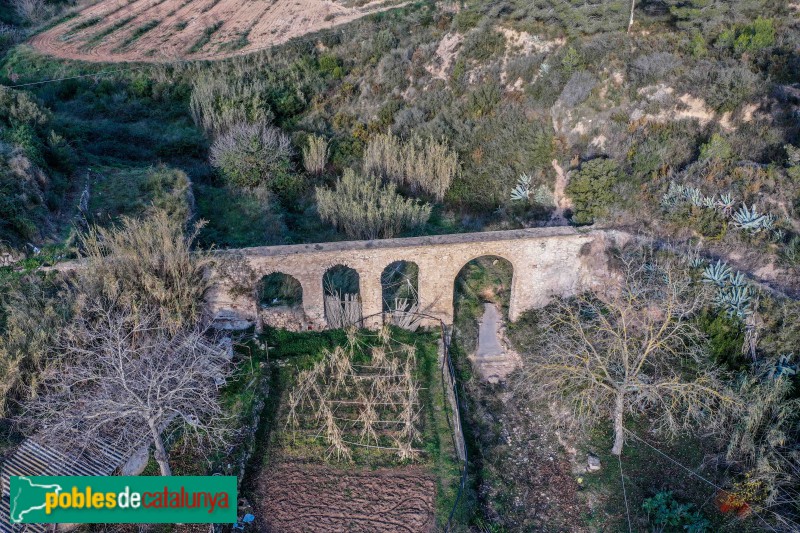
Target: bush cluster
(363, 208)
(249, 155)
(423, 165)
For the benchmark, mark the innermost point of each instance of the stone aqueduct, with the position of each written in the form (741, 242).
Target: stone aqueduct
(546, 262)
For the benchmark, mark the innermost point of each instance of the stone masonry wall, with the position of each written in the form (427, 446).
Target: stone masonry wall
(546, 261)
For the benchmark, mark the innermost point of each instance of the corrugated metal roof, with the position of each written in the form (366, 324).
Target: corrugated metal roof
(35, 458)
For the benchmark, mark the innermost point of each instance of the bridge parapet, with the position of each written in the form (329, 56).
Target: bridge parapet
(547, 262)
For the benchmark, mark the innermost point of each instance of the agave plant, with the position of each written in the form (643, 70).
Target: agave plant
(673, 195)
(769, 222)
(735, 300)
(778, 235)
(783, 367)
(737, 280)
(725, 203)
(523, 189)
(709, 202)
(717, 273)
(751, 220)
(694, 260)
(695, 196)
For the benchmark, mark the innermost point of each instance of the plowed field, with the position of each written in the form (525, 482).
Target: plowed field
(295, 498)
(167, 30)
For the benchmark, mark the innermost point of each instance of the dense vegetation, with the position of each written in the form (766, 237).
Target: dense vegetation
(439, 118)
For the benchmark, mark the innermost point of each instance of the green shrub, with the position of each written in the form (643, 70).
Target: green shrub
(725, 338)
(170, 191)
(423, 165)
(331, 66)
(364, 209)
(218, 103)
(716, 149)
(466, 19)
(496, 149)
(592, 189)
(483, 43)
(665, 514)
(252, 155)
(751, 37)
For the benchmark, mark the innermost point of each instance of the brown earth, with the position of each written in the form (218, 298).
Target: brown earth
(295, 497)
(169, 30)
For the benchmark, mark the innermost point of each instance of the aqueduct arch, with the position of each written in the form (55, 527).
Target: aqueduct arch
(546, 262)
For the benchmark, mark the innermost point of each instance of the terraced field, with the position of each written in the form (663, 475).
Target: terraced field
(167, 30)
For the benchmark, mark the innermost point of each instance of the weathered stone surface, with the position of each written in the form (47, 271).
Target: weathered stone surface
(593, 463)
(547, 262)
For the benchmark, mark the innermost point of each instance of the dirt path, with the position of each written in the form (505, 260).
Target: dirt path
(296, 498)
(493, 359)
(559, 195)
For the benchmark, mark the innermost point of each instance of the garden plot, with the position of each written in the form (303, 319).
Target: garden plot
(351, 404)
(359, 437)
(168, 30)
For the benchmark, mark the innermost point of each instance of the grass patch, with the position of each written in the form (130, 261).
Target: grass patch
(88, 23)
(648, 472)
(137, 33)
(205, 38)
(238, 44)
(95, 39)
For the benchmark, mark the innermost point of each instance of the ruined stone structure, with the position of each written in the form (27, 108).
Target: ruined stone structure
(546, 262)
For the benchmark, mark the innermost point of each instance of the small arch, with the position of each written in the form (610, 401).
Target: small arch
(279, 290)
(342, 296)
(400, 294)
(399, 286)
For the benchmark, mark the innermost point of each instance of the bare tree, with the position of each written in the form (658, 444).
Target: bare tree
(125, 379)
(633, 349)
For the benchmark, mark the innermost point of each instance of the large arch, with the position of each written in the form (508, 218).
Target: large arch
(486, 279)
(341, 288)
